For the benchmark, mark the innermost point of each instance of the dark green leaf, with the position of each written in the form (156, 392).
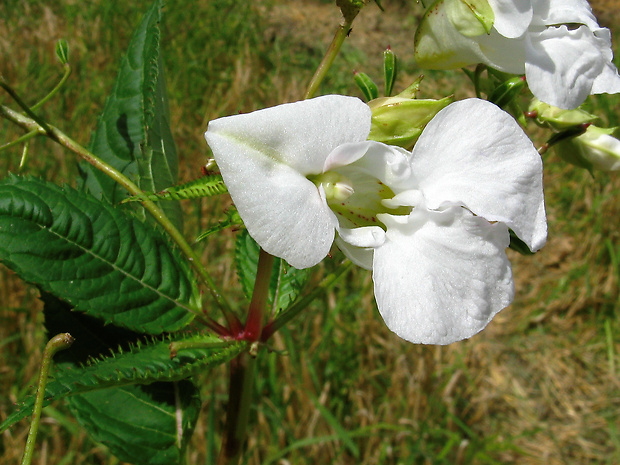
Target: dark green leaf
(142, 363)
(207, 186)
(133, 134)
(286, 282)
(147, 425)
(97, 258)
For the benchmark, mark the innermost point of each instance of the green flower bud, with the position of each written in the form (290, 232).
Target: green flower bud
(596, 149)
(557, 118)
(399, 120)
(62, 51)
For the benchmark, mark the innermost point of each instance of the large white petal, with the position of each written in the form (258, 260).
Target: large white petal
(561, 64)
(264, 158)
(474, 154)
(300, 134)
(440, 277)
(512, 17)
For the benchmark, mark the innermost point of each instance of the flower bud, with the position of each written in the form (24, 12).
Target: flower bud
(62, 51)
(399, 120)
(557, 118)
(596, 149)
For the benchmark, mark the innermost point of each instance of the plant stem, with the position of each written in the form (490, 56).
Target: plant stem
(242, 370)
(327, 61)
(55, 90)
(58, 136)
(256, 311)
(26, 137)
(57, 343)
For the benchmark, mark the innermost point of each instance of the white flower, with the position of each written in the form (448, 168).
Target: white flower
(432, 225)
(557, 44)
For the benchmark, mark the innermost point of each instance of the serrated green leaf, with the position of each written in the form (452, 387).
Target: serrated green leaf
(95, 257)
(143, 363)
(207, 186)
(286, 282)
(143, 425)
(133, 134)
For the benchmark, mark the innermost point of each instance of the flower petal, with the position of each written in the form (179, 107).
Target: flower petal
(474, 154)
(440, 277)
(512, 17)
(562, 64)
(264, 158)
(300, 134)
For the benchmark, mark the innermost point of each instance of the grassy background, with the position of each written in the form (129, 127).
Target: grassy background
(539, 386)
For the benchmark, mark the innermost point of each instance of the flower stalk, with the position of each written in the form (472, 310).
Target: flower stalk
(57, 343)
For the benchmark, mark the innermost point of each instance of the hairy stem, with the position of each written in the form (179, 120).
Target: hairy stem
(57, 343)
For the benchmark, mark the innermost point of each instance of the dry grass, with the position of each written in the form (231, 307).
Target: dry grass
(539, 386)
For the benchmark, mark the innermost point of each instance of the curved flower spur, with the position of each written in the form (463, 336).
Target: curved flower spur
(431, 224)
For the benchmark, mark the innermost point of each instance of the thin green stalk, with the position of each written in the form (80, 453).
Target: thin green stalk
(58, 136)
(327, 61)
(56, 344)
(19, 140)
(55, 90)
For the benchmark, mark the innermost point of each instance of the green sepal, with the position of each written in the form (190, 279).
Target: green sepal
(206, 186)
(366, 85)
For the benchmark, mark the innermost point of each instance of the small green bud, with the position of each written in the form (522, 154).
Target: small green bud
(62, 51)
(366, 85)
(400, 120)
(557, 118)
(595, 149)
(389, 70)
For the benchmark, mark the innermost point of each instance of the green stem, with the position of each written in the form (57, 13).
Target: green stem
(20, 139)
(55, 90)
(320, 73)
(58, 136)
(57, 343)
(303, 303)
